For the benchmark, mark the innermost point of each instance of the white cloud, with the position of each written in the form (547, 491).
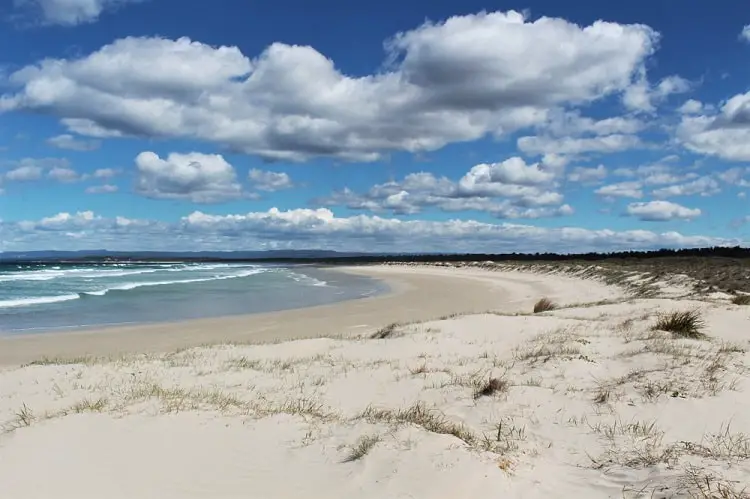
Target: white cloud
(458, 80)
(745, 34)
(102, 189)
(25, 173)
(68, 12)
(105, 173)
(269, 181)
(725, 134)
(321, 228)
(621, 190)
(587, 175)
(691, 106)
(642, 97)
(29, 169)
(67, 141)
(507, 189)
(704, 186)
(62, 174)
(661, 211)
(536, 145)
(201, 178)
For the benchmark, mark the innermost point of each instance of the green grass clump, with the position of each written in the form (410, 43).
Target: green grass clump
(683, 324)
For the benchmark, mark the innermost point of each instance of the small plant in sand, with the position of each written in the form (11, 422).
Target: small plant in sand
(683, 324)
(362, 447)
(741, 300)
(24, 416)
(544, 305)
(385, 332)
(491, 387)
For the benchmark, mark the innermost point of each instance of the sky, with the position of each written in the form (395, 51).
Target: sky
(417, 126)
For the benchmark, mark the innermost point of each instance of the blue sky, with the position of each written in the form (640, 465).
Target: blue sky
(422, 126)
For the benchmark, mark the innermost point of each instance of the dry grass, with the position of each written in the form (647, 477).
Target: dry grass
(723, 445)
(741, 300)
(61, 361)
(544, 305)
(492, 387)
(430, 419)
(682, 324)
(701, 484)
(547, 352)
(385, 332)
(363, 446)
(245, 363)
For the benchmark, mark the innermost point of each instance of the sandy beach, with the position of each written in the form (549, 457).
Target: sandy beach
(473, 396)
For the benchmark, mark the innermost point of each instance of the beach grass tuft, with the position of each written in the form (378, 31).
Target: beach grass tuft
(544, 305)
(492, 387)
(683, 324)
(385, 332)
(363, 446)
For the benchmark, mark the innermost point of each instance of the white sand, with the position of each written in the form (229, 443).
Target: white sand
(596, 405)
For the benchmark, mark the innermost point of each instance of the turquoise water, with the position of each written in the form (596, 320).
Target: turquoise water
(35, 298)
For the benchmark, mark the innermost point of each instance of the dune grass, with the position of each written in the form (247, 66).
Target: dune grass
(682, 324)
(544, 305)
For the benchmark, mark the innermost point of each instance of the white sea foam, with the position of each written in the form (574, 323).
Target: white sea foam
(122, 286)
(134, 285)
(36, 300)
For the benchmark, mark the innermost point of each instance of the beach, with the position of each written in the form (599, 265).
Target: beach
(449, 385)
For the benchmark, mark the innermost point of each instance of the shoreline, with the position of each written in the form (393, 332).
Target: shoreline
(415, 294)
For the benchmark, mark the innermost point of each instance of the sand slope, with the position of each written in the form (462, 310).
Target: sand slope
(589, 402)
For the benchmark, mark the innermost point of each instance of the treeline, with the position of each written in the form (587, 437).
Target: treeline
(326, 259)
(713, 252)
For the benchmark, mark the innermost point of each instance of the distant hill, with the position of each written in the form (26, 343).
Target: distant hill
(38, 256)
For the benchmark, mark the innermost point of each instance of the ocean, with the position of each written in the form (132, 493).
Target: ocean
(40, 298)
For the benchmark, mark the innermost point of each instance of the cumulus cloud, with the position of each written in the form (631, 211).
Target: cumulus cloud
(725, 134)
(200, 178)
(321, 228)
(703, 186)
(102, 189)
(587, 175)
(643, 97)
(67, 141)
(621, 190)
(661, 211)
(105, 173)
(691, 106)
(64, 175)
(745, 33)
(25, 173)
(68, 12)
(30, 169)
(269, 181)
(451, 81)
(507, 189)
(570, 145)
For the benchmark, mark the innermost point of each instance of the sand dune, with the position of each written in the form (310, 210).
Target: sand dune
(587, 400)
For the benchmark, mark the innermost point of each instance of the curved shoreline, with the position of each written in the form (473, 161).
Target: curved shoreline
(416, 294)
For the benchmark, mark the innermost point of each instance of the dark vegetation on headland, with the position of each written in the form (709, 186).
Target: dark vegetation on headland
(336, 258)
(721, 268)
